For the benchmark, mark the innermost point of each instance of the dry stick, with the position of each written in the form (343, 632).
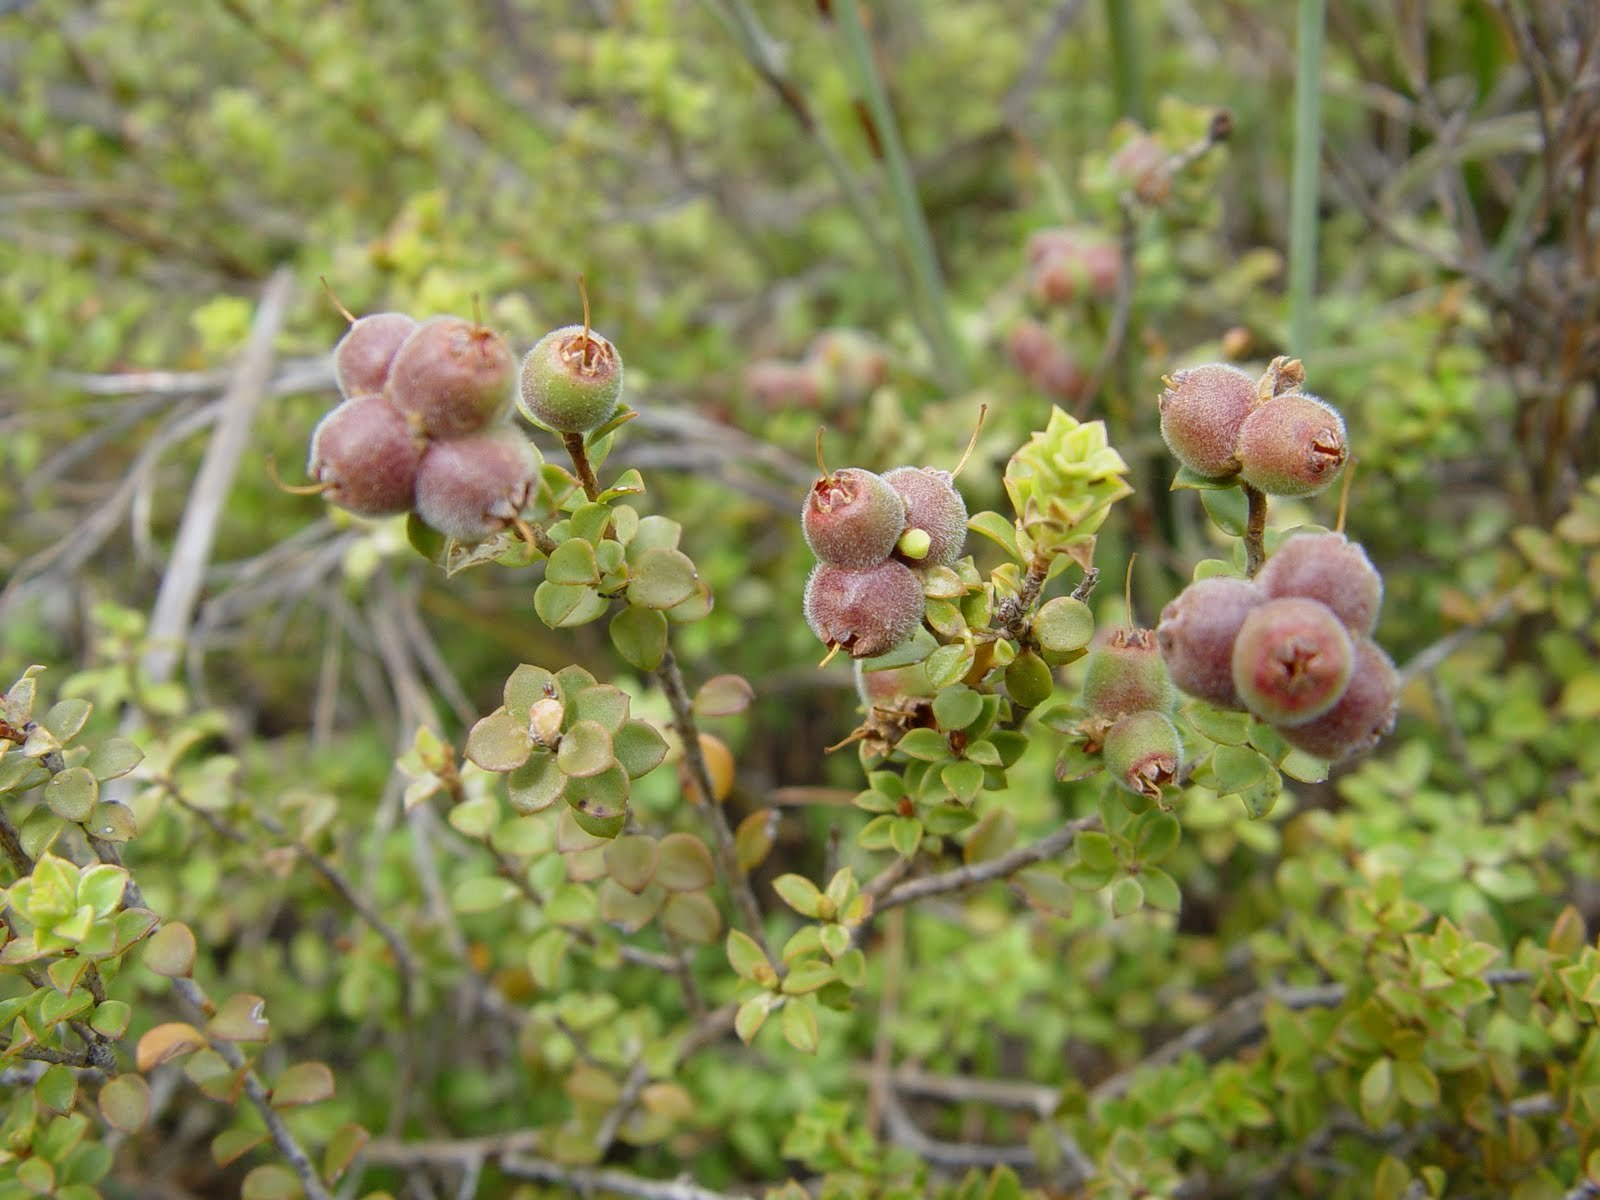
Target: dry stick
(191, 552)
(995, 868)
(589, 1179)
(1255, 530)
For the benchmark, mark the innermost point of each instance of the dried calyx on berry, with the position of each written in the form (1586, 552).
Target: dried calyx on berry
(1291, 660)
(1126, 675)
(1196, 634)
(1330, 568)
(452, 377)
(1143, 753)
(852, 518)
(1361, 717)
(471, 487)
(863, 612)
(1202, 411)
(1292, 445)
(933, 507)
(362, 356)
(571, 380)
(365, 455)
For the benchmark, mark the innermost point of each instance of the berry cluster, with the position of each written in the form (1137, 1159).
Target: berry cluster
(1293, 646)
(867, 532)
(1129, 694)
(1221, 424)
(424, 426)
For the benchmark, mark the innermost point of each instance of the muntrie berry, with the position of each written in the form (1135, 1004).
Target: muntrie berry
(362, 357)
(1066, 264)
(471, 487)
(452, 377)
(1202, 411)
(1126, 675)
(1029, 681)
(1291, 660)
(1196, 635)
(1362, 716)
(863, 612)
(1143, 753)
(934, 506)
(1330, 568)
(366, 454)
(853, 518)
(571, 380)
(1293, 445)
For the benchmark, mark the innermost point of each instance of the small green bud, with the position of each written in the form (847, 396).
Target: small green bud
(914, 544)
(1143, 754)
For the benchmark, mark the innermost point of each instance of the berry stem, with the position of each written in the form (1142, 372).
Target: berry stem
(579, 454)
(1255, 531)
(533, 533)
(683, 721)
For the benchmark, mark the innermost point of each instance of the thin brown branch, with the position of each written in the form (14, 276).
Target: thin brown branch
(985, 872)
(579, 453)
(1255, 530)
(683, 721)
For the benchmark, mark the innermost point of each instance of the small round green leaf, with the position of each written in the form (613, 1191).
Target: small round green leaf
(692, 916)
(1063, 624)
(171, 950)
(639, 749)
(499, 742)
(661, 578)
(723, 696)
(640, 636)
(125, 1103)
(536, 785)
(573, 563)
(57, 1089)
(113, 758)
(270, 1182)
(585, 750)
(66, 718)
(631, 861)
(957, 707)
(629, 911)
(684, 864)
(71, 794)
(526, 686)
(111, 821)
(303, 1083)
(242, 1017)
(800, 1024)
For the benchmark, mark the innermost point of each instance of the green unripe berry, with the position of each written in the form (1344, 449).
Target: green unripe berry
(1202, 411)
(1330, 568)
(1029, 682)
(1362, 717)
(853, 518)
(1291, 660)
(935, 507)
(571, 380)
(1126, 675)
(1143, 753)
(1293, 445)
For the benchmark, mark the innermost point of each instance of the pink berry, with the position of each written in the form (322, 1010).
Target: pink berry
(368, 454)
(1362, 717)
(1202, 411)
(471, 487)
(1291, 660)
(1196, 635)
(865, 612)
(1330, 568)
(452, 377)
(853, 518)
(1293, 445)
(362, 357)
(934, 506)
